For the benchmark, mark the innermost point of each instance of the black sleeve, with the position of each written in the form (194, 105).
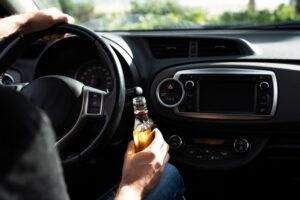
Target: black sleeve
(30, 166)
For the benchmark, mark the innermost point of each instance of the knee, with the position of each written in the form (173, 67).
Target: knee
(171, 173)
(175, 181)
(171, 185)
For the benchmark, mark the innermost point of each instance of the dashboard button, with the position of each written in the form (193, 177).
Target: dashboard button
(94, 103)
(176, 142)
(170, 93)
(264, 85)
(224, 153)
(189, 84)
(241, 145)
(262, 110)
(200, 157)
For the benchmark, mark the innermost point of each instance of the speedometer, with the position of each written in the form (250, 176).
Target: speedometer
(95, 74)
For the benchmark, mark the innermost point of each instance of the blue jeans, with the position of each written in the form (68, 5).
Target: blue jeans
(170, 187)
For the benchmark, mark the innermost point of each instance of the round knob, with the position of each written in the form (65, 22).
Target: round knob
(264, 85)
(175, 141)
(241, 145)
(189, 85)
(138, 91)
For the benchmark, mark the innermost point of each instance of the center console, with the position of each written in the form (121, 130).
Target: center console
(220, 93)
(200, 100)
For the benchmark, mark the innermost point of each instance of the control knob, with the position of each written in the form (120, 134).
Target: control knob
(241, 145)
(264, 85)
(189, 84)
(175, 142)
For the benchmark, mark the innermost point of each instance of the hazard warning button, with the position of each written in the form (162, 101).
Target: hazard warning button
(170, 92)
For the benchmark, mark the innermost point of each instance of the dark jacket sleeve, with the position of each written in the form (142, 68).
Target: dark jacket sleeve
(30, 166)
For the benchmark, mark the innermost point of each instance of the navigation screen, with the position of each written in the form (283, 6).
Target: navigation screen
(226, 95)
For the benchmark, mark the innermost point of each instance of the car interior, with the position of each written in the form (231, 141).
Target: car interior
(225, 100)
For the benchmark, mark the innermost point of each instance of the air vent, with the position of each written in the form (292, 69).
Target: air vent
(169, 47)
(6, 79)
(218, 47)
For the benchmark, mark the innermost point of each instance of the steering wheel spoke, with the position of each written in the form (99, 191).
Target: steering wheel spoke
(93, 102)
(16, 86)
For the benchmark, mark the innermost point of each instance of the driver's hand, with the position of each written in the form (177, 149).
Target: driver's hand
(142, 170)
(31, 22)
(43, 19)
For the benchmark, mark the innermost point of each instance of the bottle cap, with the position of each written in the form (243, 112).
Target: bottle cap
(139, 104)
(139, 100)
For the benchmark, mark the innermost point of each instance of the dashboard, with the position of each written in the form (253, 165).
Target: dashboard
(75, 58)
(208, 137)
(221, 98)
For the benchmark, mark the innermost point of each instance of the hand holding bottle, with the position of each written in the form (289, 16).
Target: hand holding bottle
(142, 170)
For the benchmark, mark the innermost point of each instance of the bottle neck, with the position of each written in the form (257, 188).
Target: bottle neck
(142, 115)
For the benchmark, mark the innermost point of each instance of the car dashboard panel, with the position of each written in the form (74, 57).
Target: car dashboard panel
(221, 98)
(249, 78)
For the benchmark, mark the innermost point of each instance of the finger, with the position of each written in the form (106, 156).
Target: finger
(54, 37)
(61, 18)
(165, 148)
(64, 18)
(163, 152)
(157, 141)
(165, 162)
(160, 156)
(58, 16)
(70, 19)
(130, 148)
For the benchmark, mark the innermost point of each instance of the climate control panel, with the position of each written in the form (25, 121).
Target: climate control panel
(207, 152)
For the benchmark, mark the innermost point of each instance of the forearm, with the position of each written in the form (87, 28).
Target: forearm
(12, 24)
(127, 192)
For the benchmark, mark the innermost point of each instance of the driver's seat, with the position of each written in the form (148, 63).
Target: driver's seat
(30, 166)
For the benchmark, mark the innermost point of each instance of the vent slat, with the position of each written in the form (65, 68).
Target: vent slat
(169, 47)
(180, 47)
(217, 47)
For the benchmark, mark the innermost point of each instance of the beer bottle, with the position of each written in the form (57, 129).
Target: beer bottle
(142, 133)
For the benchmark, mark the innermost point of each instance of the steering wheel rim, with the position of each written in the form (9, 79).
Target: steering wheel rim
(113, 104)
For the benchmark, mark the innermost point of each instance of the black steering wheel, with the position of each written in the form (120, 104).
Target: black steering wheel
(69, 103)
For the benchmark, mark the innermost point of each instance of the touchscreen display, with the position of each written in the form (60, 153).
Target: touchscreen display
(226, 95)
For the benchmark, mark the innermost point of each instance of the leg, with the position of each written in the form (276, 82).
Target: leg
(170, 187)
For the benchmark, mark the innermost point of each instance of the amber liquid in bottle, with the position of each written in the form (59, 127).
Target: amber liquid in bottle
(142, 132)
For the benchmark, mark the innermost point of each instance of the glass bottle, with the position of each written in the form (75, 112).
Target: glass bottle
(142, 133)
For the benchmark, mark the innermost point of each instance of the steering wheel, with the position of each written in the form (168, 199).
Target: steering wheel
(69, 103)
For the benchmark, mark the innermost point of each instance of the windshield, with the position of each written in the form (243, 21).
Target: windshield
(113, 15)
